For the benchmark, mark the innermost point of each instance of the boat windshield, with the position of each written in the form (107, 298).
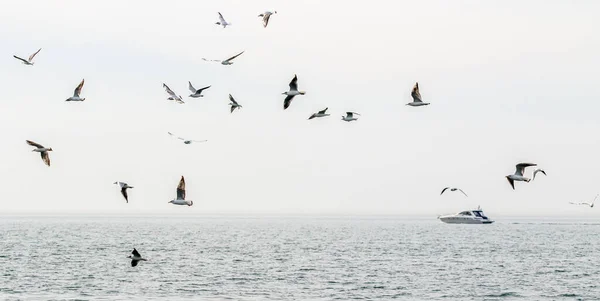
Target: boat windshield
(479, 214)
(465, 213)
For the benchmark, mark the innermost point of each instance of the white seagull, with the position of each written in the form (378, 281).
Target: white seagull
(453, 189)
(186, 141)
(350, 116)
(234, 105)
(196, 93)
(124, 187)
(292, 92)
(536, 171)
(222, 21)
(266, 15)
(225, 62)
(172, 95)
(42, 150)
(180, 200)
(416, 96)
(136, 257)
(518, 176)
(586, 204)
(319, 114)
(29, 61)
(76, 93)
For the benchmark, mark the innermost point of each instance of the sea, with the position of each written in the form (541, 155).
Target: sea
(297, 258)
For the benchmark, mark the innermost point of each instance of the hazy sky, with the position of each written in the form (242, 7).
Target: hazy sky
(508, 81)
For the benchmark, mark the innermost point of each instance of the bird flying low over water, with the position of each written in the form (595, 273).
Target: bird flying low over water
(186, 141)
(76, 93)
(266, 15)
(180, 200)
(42, 150)
(28, 61)
(350, 116)
(319, 114)
(586, 204)
(536, 171)
(172, 95)
(196, 93)
(518, 176)
(416, 96)
(222, 21)
(292, 92)
(135, 257)
(234, 105)
(124, 187)
(225, 62)
(453, 189)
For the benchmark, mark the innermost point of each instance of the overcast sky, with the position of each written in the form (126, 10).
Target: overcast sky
(508, 82)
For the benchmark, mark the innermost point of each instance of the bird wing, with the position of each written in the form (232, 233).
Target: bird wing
(232, 109)
(443, 190)
(202, 89)
(538, 170)
(45, 157)
(231, 58)
(18, 58)
(349, 114)
(134, 262)
(287, 101)
(323, 111)
(78, 89)
(34, 144)
(512, 183)
(312, 116)
(124, 193)
(170, 92)
(294, 83)
(191, 87)
(520, 168)
(232, 100)
(266, 17)
(136, 253)
(463, 192)
(198, 140)
(181, 189)
(416, 95)
(223, 22)
(33, 55)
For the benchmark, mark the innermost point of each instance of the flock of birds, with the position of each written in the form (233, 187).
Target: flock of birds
(417, 101)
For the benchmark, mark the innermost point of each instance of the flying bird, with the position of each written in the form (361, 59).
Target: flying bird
(42, 150)
(222, 21)
(453, 189)
(180, 200)
(28, 61)
(225, 62)
(136, 257)
(319, 114)
(266, 15)
(416, 96)
(350, 116)
(172, 95)
(234, 105)
(292, 92)
(124, 187)
(586, 204)
(536, 171)
(77, 92)
(518, 176)
(186, 141)
(196, 93)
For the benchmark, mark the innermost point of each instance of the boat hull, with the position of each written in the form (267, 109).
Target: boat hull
(461, 220)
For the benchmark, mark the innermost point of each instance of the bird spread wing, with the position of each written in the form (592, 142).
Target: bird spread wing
(323, 111)
(287, 101)
(232, 109)
(462, 192)
(512, 183)
(349, 114)
(78, 89)
(136, 253)
(294, 83)
(443, 190)
(232, 100)
(223, 22)
(124, 193)
(18, 58)
(170, 92)
(191, 88)
(231, 58)
(266, 17)
(520, 168)
(134, 262)
(202, 89)
(34, 144)
(312, 116)
(46, 158)
(416, 95)
(33, 55)
(181, 189)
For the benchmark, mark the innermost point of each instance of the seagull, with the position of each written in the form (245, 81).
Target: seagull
(181, 195)
(536, 171)
(518, 176)
(222, 21)
(76, 93)
(225, 62)
(42, 150)
(416, 95)
(292, 92)
(29, 61)
(234, 105)
(172, 94)
(350, 116)
(266, 15)
(453, 189)
(586, 204)
(319, 114)
(124, 187)
(196, 93)
(136, 257)
(186, 141)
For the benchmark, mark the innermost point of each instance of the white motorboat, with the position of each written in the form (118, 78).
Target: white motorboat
(466, 217)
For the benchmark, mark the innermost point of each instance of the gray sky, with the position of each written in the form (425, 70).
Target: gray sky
(509, 81)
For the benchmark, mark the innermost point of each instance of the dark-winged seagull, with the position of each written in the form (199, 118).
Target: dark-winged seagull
(180, 200)
(453, 189)
(518, 176)
(77, 92)
(234, 105)
(222, 21)
(292, 92)
(29, 61)
(135, 257)
(350, 116)
(265, 17)
(416, 96)
(124, 187)
(319, 114)
(42, 150)
(196, 93)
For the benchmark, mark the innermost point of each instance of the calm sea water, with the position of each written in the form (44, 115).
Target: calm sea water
(283, 258)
